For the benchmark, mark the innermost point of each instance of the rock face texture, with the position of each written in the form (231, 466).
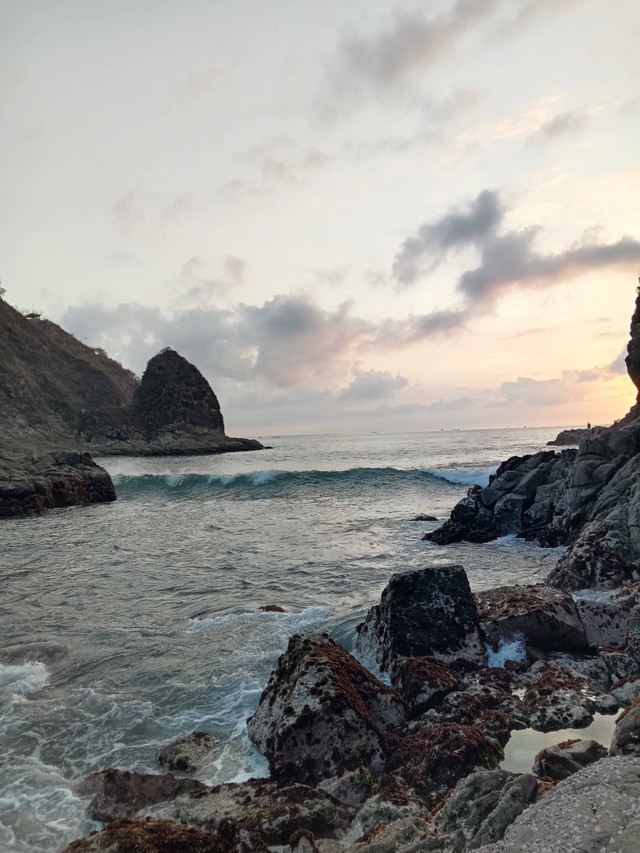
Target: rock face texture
(426, 612)
(322, 713)
(591, 811)
(563, 759)
(31, 485)
(185, 754)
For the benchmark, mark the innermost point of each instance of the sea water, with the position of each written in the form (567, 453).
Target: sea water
(125, 625)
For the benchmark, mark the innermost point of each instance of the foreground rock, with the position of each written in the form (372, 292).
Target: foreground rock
(322, 713)
(568, 437)
(626, 735)
(31, 485)
(557, 698)
(591, 811)
(426, 612)
(163, 836)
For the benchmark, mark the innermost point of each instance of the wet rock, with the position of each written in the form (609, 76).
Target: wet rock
(590, 667)
(558, 699)
(606, 704)
(591, 811)
(186, 754)
(426, 612)
(162, 836)
(626, 735)
(424, 517)
(272, 608)
(482, 807)
(406, 835)
(263, 806)
(470, 521)
(123, 793)
(430, 762)
(547, 618)
(604, 624)
(627, 691)
(424, 682)
(570, 756)
(322, 713)
(471, 710)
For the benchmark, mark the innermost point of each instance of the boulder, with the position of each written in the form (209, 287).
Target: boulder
(593, 810)
(123, 793)
(471, 710)
(626, 735)
(185, 754)
(482, 806)
(163, 836)
(425, 612)
(562, 759)
(627, 691)
(547, 618)
(322, 713)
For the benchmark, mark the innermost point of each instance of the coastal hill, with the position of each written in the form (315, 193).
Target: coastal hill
(57, 393)
(62, 401)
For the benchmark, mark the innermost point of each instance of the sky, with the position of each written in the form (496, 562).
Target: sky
(351, 215)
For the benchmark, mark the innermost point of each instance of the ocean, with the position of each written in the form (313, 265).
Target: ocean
(126, 625)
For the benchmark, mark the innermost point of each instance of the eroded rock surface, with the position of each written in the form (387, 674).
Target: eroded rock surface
(558, 699)
(322, 713)
(626, 735)
(425, 612)
(185, 754)
(562, 759)
(594, 810)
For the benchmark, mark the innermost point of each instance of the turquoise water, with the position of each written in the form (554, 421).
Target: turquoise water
(125, 625)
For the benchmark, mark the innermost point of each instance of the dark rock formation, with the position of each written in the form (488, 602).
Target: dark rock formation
(163, 836)
(604, 624)
(593, 810)
(426, 612)
(322, 713)
(31, 485)
(633, 348)
(562, 759)
(186, 753)
(547, 618)
(123, 793)
(570, 437)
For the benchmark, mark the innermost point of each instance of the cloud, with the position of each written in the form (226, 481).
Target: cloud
(571, 387)
(373, 385)
(568, 122)
(146, 217)
(333, 276)
(431, 244)
(508, 259)
(370, 65)
(280, 164)
(287, 341)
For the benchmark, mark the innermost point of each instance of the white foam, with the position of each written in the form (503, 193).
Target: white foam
(505, 540)
(23, 678)
(259, 478)
(592, 595)
(511, 648)
(174, 480)
(305, 620)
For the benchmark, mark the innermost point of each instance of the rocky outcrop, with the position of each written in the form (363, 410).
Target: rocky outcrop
(626, 735)
(547, 618)
(570, 437)
(322, 713)
(593, 810)
(426, 612)
(557, 698)
(31, 485)
(424, 682)
(186, 754)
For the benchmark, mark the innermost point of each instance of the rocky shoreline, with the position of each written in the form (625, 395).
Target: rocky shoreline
(405, 755)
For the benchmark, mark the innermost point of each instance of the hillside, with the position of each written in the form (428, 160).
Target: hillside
(49, 379)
